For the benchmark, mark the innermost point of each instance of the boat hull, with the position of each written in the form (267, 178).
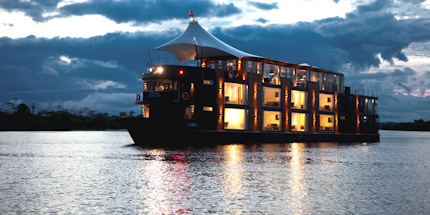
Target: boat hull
(171, 133)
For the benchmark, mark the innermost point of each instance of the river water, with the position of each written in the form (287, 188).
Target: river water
(101, 172)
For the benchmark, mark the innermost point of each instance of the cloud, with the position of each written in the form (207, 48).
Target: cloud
(100, 84)
(136, 11)
(356, 40)
(149, 11)
(106, 102)
(41, 70)
(264, 6)
(262, 20)
(367, 45)
(35, 8)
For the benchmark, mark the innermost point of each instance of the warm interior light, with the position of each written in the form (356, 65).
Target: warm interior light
(207, 108)
(234, 118)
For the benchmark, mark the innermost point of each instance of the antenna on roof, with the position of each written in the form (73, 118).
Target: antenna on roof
(190, 13)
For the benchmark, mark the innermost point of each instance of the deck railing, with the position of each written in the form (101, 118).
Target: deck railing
(363, 92)
(172, 61)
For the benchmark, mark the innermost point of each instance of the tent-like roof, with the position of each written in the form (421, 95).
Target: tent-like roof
(196, 42)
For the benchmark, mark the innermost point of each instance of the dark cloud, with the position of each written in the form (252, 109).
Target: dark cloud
(140, 11)
(68, 70)
(264, 6)
(149, 11)
(332, 43)
(262, 20)
(34, 8)
(105, 69)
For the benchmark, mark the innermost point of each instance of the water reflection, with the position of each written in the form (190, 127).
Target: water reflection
(92, 173)
(297, 181)
(232, 176)
(166, 183)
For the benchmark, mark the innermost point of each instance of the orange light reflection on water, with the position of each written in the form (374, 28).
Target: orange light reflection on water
(232, 176)
(297, 181)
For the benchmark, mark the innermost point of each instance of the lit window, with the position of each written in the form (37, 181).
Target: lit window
(326, 122)
(234, 118)
(207, 108)
(301, 78)
(159, 85)
(271, 74)
(298, 99)
(208, 82)
(271, 120)
(145, 111)
(271, 96)
(189, 112)
(298, 122)
(234, 93)
(326, 102)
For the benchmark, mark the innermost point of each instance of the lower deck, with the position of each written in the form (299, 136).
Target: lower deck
(158, 133)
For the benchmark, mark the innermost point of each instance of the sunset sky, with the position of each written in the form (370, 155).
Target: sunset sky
(89, 53)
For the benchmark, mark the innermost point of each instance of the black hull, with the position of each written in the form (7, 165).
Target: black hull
(159, 133)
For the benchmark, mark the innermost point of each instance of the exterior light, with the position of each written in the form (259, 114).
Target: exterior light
(181, 72)
(160, 69)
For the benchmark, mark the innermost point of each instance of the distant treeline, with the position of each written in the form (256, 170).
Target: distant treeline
(23, 118)
(417, 125)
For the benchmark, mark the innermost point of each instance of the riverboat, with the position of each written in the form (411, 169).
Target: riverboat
(229, 96)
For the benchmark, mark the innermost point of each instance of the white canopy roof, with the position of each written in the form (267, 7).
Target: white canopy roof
(197, 42)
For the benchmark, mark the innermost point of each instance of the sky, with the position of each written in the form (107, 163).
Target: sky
(90, 53)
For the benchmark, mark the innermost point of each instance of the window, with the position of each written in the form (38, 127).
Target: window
(287, 72)
(254, 66)
(234, 93)
(298, 99)
(271, 120)
(159, 85)
(145, 111)
(231, 65)
(189, 112)
(326, 122)
(207, 108)
(208, 82)
(301, 78)
(271, 96)
(271, 74)
(298, 122)
(331, 80)
(375, 105)
(326, 102)
(317, 78)
(234, 118)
